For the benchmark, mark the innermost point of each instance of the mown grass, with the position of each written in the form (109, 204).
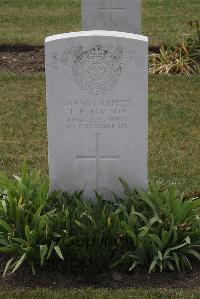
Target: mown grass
(166, 20)
(29, 22)
(174, 126)
(23, 122)
(101, 294)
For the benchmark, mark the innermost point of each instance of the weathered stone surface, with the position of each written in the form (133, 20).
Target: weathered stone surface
(114, 15)
(97, 110)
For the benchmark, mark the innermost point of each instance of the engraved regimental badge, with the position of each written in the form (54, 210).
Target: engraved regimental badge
(97, 71)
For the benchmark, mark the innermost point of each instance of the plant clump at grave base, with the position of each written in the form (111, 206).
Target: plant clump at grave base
(183, 59)
(158, 229)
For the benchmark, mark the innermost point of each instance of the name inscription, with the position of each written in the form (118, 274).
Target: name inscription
(97, 114)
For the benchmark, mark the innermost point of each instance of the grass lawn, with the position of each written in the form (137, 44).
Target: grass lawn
(23, 122)
(101, 294)
(174, 126)
(174, 122)
(165, 20)
(29, 22)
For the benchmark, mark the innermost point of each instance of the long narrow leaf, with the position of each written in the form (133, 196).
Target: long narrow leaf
(58, 251)
(19, 262)
(7, 266)
(5, 226)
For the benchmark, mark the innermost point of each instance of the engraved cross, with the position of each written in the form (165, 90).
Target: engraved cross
(111, 10)
(98, 158)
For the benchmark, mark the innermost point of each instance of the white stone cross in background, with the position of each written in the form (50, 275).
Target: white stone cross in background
(113, 15)
(112, 11)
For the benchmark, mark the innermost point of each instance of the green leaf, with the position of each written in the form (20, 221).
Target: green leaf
(19, 220)
(123, 258)
(193, 252)
(13, 206)
(4, 241)
(37, 214)
(50, 250)
(160, 255)
(17, 178)
(186, 261)
(7, 266)
(43, 252)
(176, 259)
(154, 220)
(140, 215)
(67, 217)
(4, 206)
(9, 249)
(5, 226)
(178, 246)
(132, 218)
(20, 241)
(32, 267)
(58, 251)
(56, 235)
(156, 239)
(153, 264)
(134, 264)
(27, 233)
(187, 240)
(170, 266)
(81, 225)
(19, 262)
(130, 233)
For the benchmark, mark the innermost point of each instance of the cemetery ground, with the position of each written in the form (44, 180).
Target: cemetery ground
(173, 135)
(162, 21)
(173, 159)
(173, 127)
(100, 294)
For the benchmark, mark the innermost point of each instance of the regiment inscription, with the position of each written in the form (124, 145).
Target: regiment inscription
(96, 70)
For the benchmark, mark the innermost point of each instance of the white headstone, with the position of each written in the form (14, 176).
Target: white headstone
(117, 15)
(97, 111)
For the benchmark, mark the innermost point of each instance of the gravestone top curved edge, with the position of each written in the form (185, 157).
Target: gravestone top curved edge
(96, 33)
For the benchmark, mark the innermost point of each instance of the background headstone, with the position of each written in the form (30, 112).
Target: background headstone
(114, 15)
(97, 110)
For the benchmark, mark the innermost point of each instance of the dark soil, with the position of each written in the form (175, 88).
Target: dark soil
(54, 278)
(21, 60)
(26, 59)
